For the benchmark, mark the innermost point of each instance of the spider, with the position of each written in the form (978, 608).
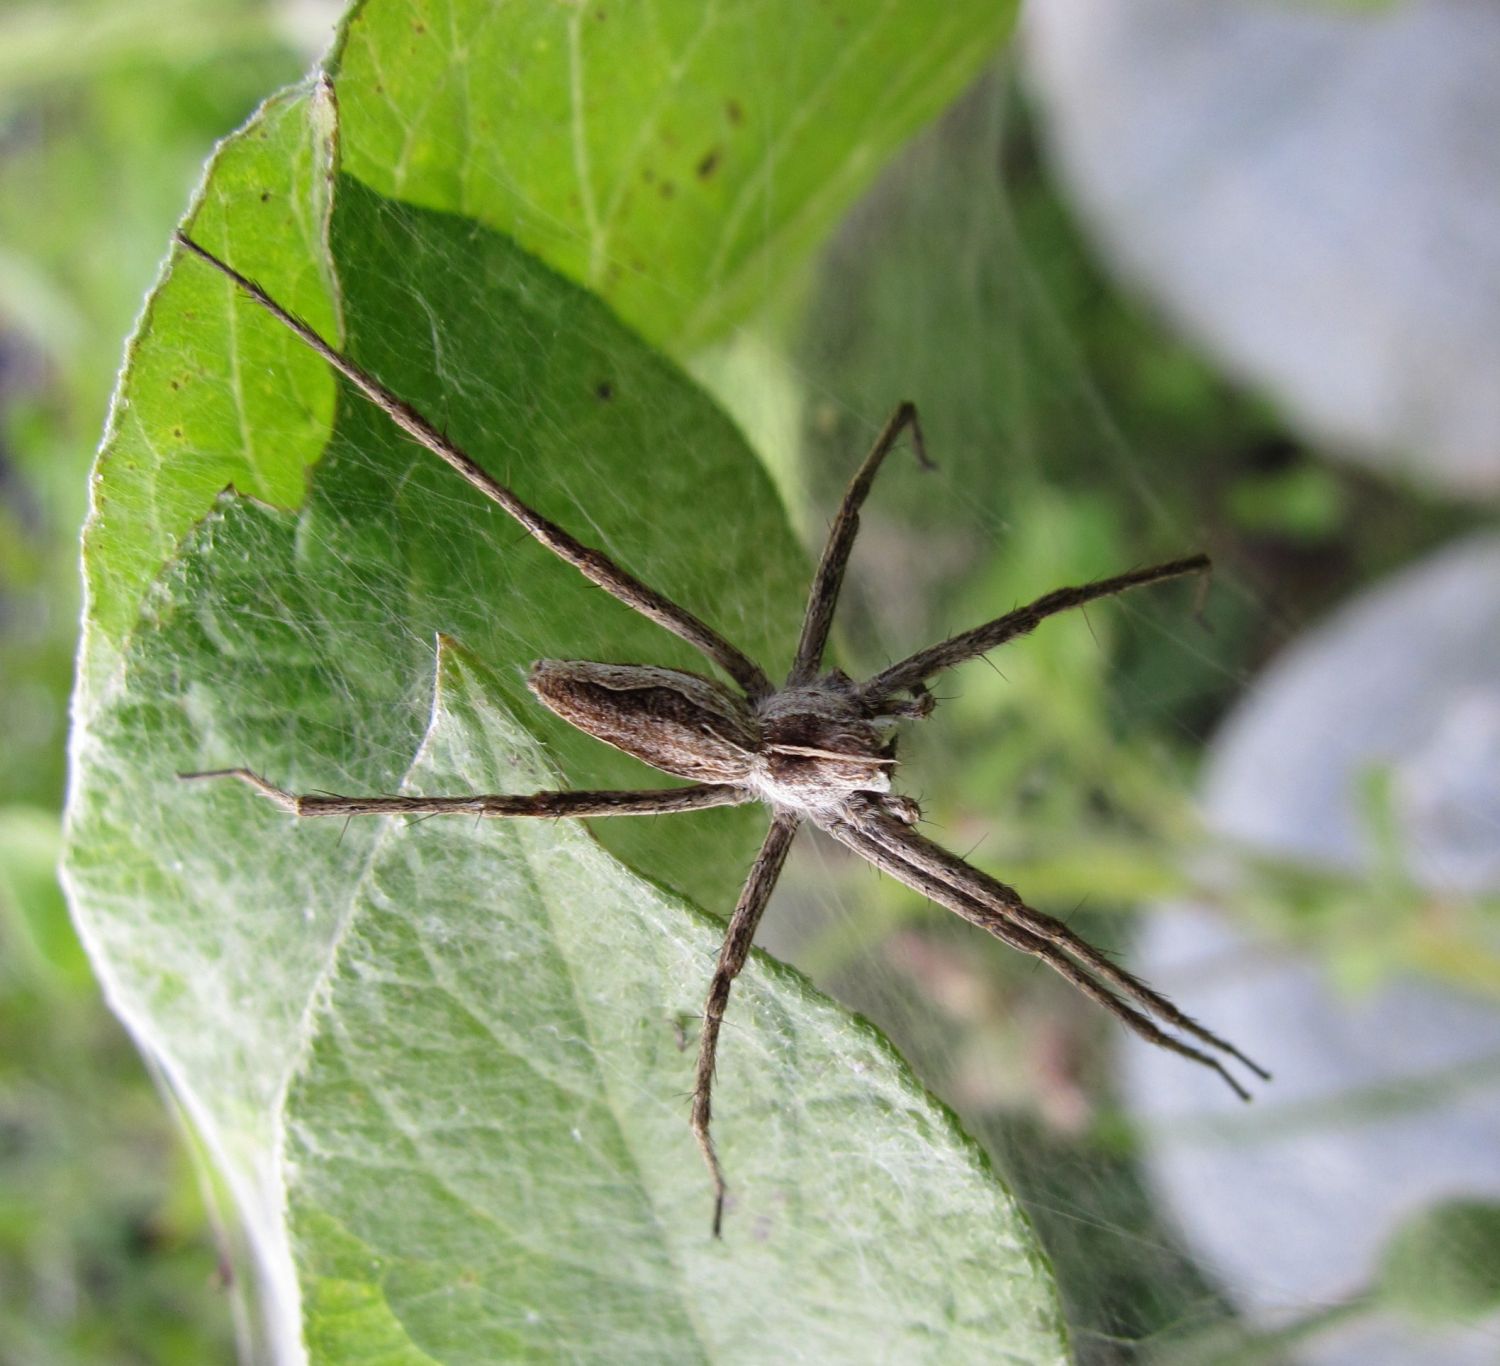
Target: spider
(817, 749)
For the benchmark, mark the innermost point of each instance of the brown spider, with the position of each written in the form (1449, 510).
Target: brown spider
(815, 749)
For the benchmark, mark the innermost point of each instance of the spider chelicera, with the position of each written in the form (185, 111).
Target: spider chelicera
(817, 749)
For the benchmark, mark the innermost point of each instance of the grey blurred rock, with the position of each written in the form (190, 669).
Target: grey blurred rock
(1312, 189)
(1381, 1103)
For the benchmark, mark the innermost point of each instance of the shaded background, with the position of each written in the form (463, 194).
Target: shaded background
(1130, 288)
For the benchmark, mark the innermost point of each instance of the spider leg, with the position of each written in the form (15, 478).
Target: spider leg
(933, 859)
(1002, 921)
(830, 576)
(737, 939)
(917, 668)
(594, 565)
(652, 802)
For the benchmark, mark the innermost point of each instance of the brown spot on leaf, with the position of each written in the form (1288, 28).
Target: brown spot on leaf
(709, 163)
(668, 189)
(604, 391)
(733, 112)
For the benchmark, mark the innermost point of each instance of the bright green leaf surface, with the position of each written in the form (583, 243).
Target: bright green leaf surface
(490, 111)
(680, 157)
(174, 439)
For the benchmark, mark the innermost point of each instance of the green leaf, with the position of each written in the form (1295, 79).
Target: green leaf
(450, 1053)
(31, 904)
(1443, 1265)
(489, 111)
(174, 440)
(680, 158)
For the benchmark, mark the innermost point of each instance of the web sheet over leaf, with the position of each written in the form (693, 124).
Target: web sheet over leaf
(302, 642)
(491, 1115)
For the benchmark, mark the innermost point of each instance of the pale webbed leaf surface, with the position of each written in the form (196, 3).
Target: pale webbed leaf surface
(491, 1122)
(449, 1006)
(300, 643)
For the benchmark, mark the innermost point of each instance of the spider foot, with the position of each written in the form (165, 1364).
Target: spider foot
(700, 1122)
(280, 796)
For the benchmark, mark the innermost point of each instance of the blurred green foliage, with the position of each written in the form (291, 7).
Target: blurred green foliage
(1444, 1263)
(101, 142)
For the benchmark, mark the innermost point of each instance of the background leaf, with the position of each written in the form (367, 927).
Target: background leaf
(1444, 1262)
(109, 111)
(680, 158)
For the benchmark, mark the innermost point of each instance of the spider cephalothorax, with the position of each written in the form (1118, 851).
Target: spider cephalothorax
(816, 749)
(822, 744)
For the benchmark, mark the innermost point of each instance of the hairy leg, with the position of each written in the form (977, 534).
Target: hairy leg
(1002, 922)
(963, 877)
(824, 596)
(932, 858)
(737, 940)
(594, 565)
(916, 669)
(652, 802)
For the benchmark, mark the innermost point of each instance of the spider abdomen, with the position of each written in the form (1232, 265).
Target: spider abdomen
(679, 722)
